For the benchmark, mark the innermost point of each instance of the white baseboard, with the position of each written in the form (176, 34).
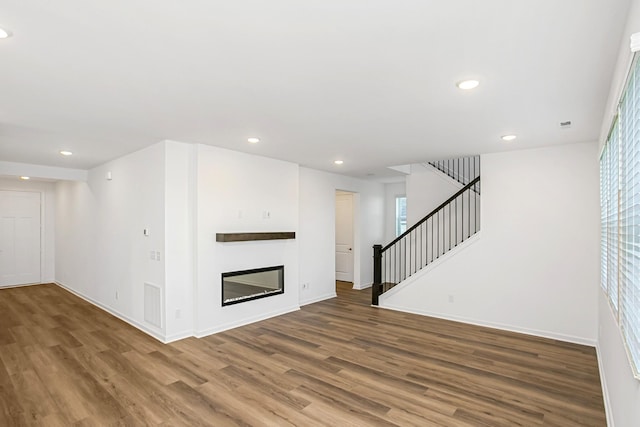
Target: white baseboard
(178, 336)
(511, 328)
(143, 328)
(23, 285)
(225, 327)
(605, 391)
(318, 299)
(362, 287)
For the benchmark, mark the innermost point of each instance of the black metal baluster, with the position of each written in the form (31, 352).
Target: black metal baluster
(474, 169)
(415, 251)
(420, 245)
(456, 216)
(449, 226)
(469, 216)
(431, 239)
(395, 261)
(404, 265)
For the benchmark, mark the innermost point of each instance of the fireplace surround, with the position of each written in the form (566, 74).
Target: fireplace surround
(248, 285)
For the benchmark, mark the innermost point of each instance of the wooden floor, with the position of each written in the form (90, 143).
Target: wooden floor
(335, 363)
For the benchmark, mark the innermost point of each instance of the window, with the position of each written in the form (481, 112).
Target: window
(401, 215)
(620, 217)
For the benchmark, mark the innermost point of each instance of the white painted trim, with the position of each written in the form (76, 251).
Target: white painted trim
(178, 336)
(608, 409)
(501, 326)
(362, 287)
(155, 334)
(23, 285)
(634, 42)
(232, 325)
(43, 230)
(318, 299)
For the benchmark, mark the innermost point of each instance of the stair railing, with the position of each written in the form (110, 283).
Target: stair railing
(444, 228)
(462, 169)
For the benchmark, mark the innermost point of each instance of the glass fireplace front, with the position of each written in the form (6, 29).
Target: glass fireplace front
(247, 285)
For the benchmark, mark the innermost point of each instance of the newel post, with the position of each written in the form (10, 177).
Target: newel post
(376, 287)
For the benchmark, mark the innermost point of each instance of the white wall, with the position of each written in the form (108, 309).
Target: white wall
(427, 188)
(180, 232)
(185, 194)
(48, 207)
(100, 246)
(317, 230)
(534, 267)
(622, 391)
(391, 191)
(234, 190)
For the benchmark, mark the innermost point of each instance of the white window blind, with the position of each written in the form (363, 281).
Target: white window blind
(629, 214)
(612, 216)
(620, 217)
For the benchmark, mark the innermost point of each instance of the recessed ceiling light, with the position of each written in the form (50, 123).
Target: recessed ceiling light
(338, 162)
(25, 178)
(508, 137)
(66, 153)
(4, 34)
(253, 140)
(468, 84)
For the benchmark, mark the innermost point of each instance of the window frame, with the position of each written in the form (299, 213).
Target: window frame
(398, 224)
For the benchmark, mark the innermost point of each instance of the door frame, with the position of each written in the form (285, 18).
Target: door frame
(42, 231)
(357, 280)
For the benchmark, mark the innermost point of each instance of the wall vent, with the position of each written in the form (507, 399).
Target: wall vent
(152, 311)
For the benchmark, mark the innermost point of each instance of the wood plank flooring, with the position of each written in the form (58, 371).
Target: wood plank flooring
(335, 363)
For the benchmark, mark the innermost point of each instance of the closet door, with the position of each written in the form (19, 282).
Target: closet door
(19, 238)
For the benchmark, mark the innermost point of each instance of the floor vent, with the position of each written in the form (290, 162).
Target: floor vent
(152, 313)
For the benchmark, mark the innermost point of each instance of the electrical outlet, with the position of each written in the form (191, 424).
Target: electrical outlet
(117, 295)
(451, 298)
(152, 255)
(266, 215)
(305, 286)
(158, 256)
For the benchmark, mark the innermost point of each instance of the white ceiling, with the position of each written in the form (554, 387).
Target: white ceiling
(371, 82)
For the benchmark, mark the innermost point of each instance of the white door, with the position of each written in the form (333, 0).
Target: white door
(344, 236)
(19, 238)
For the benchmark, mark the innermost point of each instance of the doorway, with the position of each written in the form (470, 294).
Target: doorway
(19, 238)
(345, 259)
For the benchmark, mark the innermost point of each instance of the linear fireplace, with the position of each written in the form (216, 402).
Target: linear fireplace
(247, 285)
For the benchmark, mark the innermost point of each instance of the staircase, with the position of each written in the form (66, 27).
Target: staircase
(462, 169)
(441, 230)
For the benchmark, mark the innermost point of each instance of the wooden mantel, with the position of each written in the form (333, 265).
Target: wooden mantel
(246, 237)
